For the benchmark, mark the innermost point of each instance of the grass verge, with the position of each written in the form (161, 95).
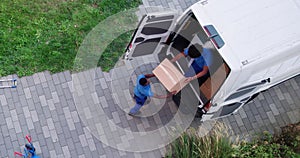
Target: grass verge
(39, 35)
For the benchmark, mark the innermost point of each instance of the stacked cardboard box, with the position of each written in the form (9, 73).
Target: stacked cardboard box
(169, 76)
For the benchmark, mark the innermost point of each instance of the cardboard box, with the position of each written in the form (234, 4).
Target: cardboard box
(169, 76)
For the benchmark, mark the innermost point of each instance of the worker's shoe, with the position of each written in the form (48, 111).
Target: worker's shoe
(130, 114)
(200, 112)
(134, 114)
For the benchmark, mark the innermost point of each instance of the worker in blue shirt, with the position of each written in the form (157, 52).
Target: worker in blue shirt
(202, 60)
(142, 90)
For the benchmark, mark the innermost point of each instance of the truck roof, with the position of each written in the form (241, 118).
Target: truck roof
(252, 29)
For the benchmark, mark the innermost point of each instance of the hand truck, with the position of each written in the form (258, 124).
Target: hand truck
(10, 83)
(29, 150)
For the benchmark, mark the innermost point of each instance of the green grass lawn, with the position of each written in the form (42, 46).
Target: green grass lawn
(39, 35)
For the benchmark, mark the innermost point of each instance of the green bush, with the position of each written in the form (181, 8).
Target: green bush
(217, 145)
(38, 35)
(190, 145)
(264, 147)
(290, 136)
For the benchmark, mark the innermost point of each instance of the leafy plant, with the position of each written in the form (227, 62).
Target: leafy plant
(264, 147)
(216, 144)
(290, 136)
(190, 145)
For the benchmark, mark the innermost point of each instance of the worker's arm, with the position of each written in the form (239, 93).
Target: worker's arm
(149, 75)
(200, 74)
(164, 96)
(178, 56)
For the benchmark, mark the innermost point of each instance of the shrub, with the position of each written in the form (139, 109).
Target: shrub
(217, 144)
(264, 146)
(190, 145)
(290, 136)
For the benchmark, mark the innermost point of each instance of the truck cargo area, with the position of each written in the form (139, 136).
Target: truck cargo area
(191, 32)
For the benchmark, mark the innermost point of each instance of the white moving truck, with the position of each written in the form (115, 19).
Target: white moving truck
(255, 44)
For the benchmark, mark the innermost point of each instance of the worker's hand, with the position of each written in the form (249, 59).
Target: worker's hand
(189, 79)
(174, 92)
(149, 75)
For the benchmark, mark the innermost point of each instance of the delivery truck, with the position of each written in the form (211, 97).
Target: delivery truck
(255, 45)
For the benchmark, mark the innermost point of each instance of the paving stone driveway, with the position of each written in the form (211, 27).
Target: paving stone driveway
(43, 106)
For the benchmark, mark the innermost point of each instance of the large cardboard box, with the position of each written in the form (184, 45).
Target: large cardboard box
(169, 76)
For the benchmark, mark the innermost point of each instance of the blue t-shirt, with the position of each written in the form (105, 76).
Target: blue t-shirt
(204, 60)
(142, 91)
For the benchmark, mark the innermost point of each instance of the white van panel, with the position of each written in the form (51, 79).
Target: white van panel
(256, 76)
(252, 29)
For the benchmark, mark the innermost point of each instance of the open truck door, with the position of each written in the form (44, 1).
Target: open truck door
(152, 31)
